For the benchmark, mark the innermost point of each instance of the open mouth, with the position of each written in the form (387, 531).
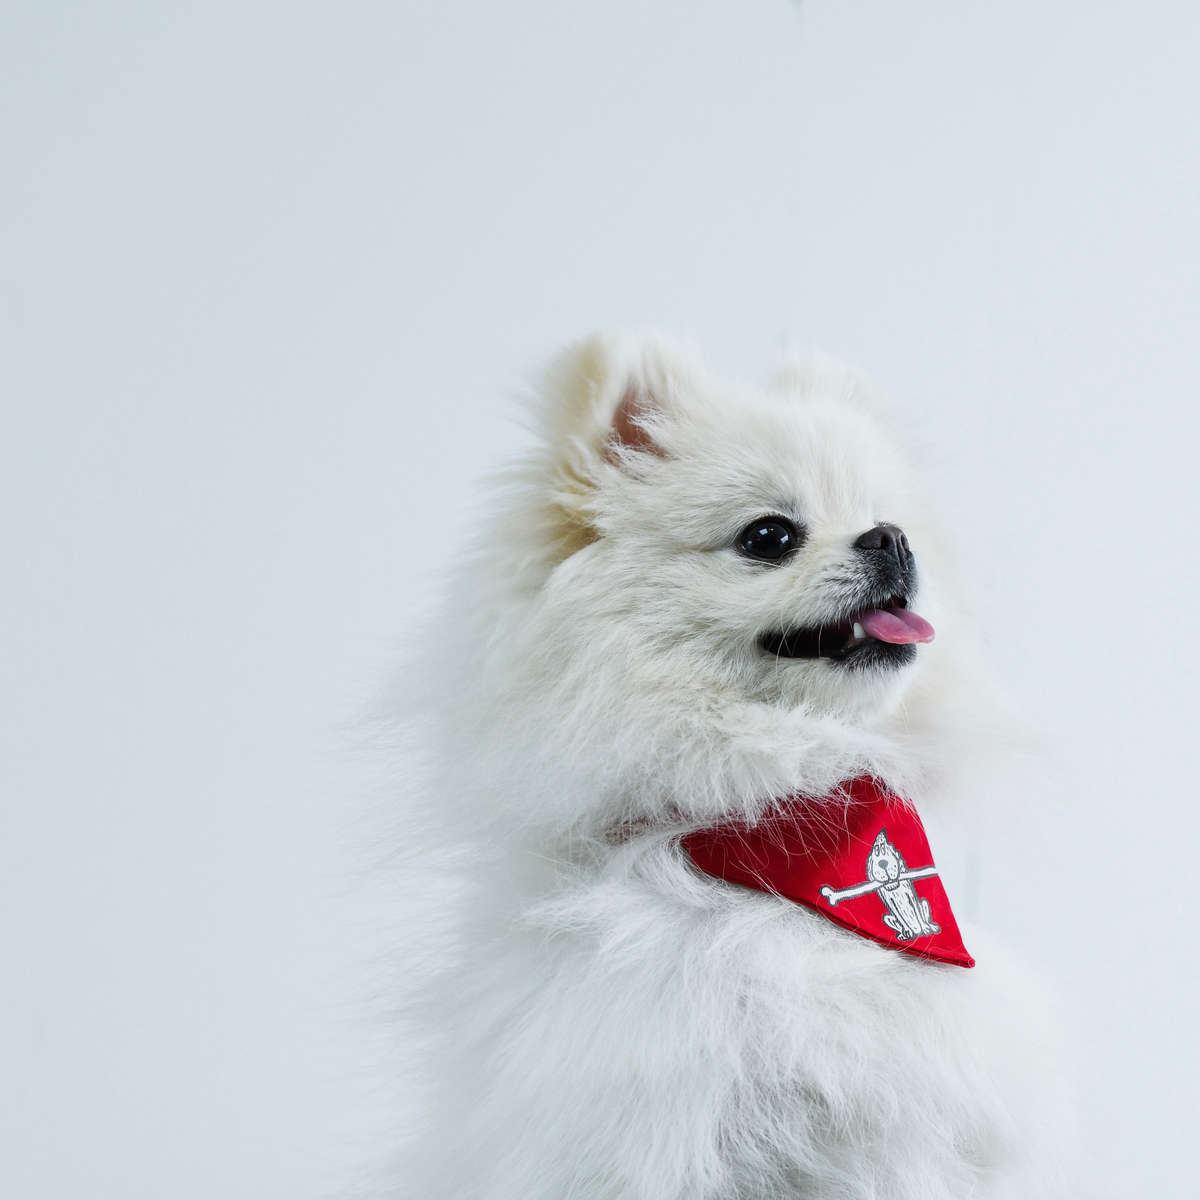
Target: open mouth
(883, 636)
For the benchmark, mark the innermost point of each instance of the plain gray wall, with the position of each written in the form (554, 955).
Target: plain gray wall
(269, 274)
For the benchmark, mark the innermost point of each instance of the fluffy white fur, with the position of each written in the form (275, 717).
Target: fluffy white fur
(603, 1021)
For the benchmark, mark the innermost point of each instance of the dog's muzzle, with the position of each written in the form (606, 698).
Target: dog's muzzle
(890, 559)
(875, 628)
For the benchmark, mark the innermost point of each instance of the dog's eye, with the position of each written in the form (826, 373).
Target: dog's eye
(769, 539)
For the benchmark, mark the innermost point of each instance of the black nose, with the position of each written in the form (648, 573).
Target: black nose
(888, 538)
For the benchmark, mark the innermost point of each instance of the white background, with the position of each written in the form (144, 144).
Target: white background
(269, 274)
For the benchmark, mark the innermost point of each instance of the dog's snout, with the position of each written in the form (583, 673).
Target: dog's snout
(888, 538)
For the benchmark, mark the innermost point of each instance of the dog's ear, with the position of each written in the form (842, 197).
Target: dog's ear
(805, 376)
(813, 375)
(633, 423)
(608, 403)
(615, 392)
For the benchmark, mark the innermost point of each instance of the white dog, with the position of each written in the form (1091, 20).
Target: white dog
(677, 695)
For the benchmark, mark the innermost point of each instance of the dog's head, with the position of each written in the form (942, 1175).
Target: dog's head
(884, 863)
(762, 543)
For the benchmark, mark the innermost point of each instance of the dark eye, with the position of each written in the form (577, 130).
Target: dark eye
(769, 539)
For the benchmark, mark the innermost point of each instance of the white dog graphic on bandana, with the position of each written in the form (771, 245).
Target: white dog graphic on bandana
(908, 915)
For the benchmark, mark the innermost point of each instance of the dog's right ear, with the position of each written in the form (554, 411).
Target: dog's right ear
(607, 405)
(612, 395)
(633, 423)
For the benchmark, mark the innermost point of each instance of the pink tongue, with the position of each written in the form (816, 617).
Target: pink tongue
(896, 625)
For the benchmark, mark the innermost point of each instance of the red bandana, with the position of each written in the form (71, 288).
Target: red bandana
(860, 858)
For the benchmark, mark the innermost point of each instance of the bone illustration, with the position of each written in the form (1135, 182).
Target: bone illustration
(833, 895)
(908, 915)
